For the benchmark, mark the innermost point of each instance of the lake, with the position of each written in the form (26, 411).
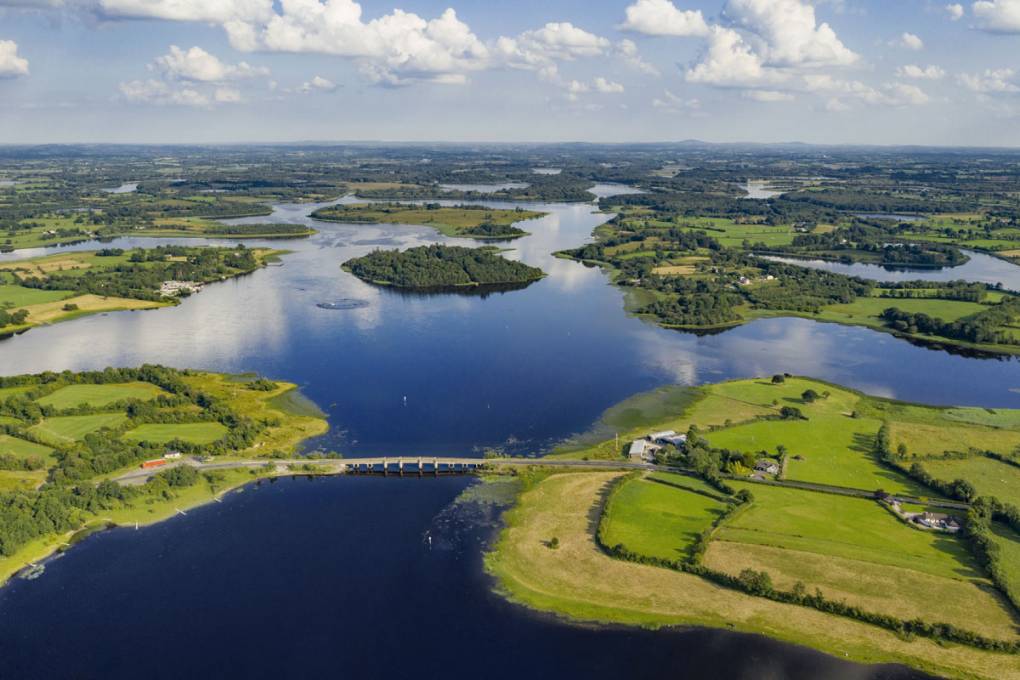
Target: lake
(980, 268)
(335, 578)
(313, 578)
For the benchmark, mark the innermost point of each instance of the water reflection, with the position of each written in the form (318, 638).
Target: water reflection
(529, 366)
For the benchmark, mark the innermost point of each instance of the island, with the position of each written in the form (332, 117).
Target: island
(466, 221)
(44, 290)
(66, 436)
(870, 528)
(439, 267)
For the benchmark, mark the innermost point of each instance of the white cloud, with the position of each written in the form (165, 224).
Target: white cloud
(628, 51)
(607, 86)
(992, 81)
(955, 11)
(11, 65)
(553, 42)
(675, 104)
(730, 62)
(769, 96)
(227, 95)
(212, 11)
(835, 105)
(889, 94)
(998, 16)
(791, 34)
(910, 41)
(318, 83)
(160, 93)
(661, 17)
(198, 65)
(930, 72)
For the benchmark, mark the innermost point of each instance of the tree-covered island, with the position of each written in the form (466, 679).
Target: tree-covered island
(438, 267)
(467, 221)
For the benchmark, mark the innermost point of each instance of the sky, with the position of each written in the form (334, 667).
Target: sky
(225, 71)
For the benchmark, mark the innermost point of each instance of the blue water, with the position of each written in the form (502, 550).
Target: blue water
(518, 370)
(335, 578)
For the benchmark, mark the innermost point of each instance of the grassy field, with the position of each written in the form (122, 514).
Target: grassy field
(989, 476)
(19, 448)
(16, 480)
(450, 221)
(842, 526)
(905, 593)
(932, 439)
(99, 395)
(67, 429)
(580, 581)
(1009, 555)
(8, 392)
(661, 515)
(51, 312)
(868, 309)
(162, 433)
(13, 296)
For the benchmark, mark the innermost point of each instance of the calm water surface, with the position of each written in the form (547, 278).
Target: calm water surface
(335, 578)
(981, 268)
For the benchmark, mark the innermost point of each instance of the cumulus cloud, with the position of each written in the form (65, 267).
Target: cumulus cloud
(161, 93)
(910, 41)
(318, 84)
(992, 81)
(675, 103)
(915, 72)
(998, 16)
(791, 34)
(839, 91)
(607, 86)
(661, 17)
(11, 65)
(214, 11)
(955, 11)
(627, 50)
(198, 65)
(730, 62)
(768, 96)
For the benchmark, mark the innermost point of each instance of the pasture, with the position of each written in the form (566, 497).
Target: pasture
(99, 396)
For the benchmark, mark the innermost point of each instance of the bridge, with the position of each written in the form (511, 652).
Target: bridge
(446, 465)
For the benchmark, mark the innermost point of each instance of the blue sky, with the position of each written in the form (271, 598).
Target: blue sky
(827, 71)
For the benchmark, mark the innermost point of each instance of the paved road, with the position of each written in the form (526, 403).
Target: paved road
(339, 465)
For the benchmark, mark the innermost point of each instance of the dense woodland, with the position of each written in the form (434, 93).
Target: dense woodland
(439, 266)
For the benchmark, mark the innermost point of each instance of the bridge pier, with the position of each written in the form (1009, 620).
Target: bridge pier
(435, 466)
(385, 467)
(421, 466)
(400, 466)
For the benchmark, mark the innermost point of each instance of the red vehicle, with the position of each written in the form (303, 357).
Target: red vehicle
(159, 462)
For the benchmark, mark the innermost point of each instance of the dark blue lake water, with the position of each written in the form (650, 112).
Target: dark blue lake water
(335, 578)
(302, 578)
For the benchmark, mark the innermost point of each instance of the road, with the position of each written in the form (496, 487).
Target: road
(341, 465)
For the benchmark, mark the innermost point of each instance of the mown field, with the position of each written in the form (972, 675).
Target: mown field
(661, 515)
(67, 429)
(580, 581)
(99, 395)
(989, 476)
(162, 433)
(449, 221)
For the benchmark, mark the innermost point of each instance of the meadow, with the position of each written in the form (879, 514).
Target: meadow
(163, 433)
(99, 396)
(661, 515)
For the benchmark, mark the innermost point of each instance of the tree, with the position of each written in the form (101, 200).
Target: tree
(778, 379)
(791, 413)
(810, 396)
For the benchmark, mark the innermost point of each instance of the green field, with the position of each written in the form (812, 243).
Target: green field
(66, 429)
(1009, 554)
(989, 476)
(162, 433)
(99, 395)
(8, 392)
(660, 515)
(872, 307)
(19, 448)
(842, 526)
(449, 221)
(14, 296)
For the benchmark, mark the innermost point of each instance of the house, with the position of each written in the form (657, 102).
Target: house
(744, 281)
(769, 467)
(938, 521)
(643, 450)
(172, 455)
(149, 464)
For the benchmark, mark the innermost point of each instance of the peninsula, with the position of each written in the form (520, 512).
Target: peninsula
(64, 437)
(866, 527)
(54, 288)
